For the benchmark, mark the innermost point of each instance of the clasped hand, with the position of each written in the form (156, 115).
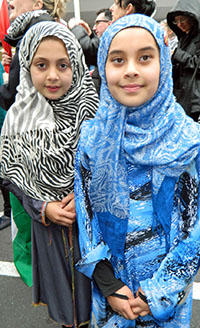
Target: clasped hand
(130, 309)
(62, 212)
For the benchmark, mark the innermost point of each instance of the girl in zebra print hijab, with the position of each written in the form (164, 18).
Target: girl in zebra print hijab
(38, 145)
(40, 135)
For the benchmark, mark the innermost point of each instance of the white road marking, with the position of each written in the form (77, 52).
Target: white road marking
(8, 269)
(196, 291)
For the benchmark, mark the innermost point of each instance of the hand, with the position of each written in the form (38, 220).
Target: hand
(86, 26)
(6, 60)
(68, 203)
(72, 23)
(138, 306)
(62, 212)
(122, 307)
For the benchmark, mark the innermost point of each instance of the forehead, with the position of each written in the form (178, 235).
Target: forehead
(182, 16)
(135, 36)
(51, 43)
(100, 16)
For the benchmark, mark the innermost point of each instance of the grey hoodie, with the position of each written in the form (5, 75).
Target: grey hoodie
(184, 7)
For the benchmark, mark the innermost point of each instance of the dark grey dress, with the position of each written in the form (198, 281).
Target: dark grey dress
(55, 250)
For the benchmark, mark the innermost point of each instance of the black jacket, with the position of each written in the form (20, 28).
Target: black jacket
(8, 90)
(89, 44)
(187, 54)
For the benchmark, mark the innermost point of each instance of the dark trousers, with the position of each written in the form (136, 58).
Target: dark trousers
(6, 199)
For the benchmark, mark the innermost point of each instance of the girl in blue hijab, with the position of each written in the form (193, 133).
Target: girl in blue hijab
(137, 185)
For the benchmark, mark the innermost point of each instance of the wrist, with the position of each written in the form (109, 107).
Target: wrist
(143, 297)
(43, 214)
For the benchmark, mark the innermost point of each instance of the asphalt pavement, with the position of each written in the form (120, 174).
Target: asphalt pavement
(16, 309)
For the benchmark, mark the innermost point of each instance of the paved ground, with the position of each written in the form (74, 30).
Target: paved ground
(16, 310)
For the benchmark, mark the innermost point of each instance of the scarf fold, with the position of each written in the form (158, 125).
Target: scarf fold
(157, 134)
(22, 23)
(39, 137)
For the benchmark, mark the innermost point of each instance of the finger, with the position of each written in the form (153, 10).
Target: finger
(69, 216)
(64, 222)
(136, 310)
(67, 199)
(144, 313)
(70, 207)
(129, 314)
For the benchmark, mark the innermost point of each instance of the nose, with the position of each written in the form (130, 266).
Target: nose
(131, 69)
(111, 7)
(52, 74)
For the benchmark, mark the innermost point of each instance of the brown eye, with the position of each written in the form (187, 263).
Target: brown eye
(117, 60)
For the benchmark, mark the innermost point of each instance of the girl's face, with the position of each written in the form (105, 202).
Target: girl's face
(117, 11)
(133, 66)
(51, 72)
(18, 7)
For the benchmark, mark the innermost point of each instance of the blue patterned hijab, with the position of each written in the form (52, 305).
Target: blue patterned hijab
(156, 134)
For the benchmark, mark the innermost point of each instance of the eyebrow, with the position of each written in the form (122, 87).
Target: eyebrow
(46, 59)
(116, 52)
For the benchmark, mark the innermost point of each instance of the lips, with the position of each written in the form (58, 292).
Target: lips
(52, 88)
(131, 87)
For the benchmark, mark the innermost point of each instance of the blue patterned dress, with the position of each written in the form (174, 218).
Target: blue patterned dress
(165, 277)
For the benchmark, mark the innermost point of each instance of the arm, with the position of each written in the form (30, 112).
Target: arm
(172, 281)
(58, 212)
(186, 59)
(8, 90)
(92, 247)
(117, 293)
(88, 43)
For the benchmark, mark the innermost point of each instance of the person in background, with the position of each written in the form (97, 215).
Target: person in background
(5, 219)
(102, 21)
(89, 40)
(137, 175)
(184, 20)
(173, 40)
(38, 145)
(121, 8)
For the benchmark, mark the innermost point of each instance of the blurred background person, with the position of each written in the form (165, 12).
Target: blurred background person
(102, 21)
(173, 40)
(125, 7)
(89, 39)
(184, 19)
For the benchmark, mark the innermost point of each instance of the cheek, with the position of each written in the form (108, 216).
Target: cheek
(154, 77)
(68, 80)
(112, 76)
(36, 78)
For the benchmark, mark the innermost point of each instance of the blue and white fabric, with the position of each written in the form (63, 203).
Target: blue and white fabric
(135, 170)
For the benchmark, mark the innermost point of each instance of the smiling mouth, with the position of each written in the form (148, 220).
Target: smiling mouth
(131, 87)
(52, 88)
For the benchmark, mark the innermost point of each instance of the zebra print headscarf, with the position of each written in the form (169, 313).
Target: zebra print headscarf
(39, 137)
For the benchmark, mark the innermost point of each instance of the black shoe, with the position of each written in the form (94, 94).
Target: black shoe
(5, 221)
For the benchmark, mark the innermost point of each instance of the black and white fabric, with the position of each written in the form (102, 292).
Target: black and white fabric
(22, 23)
(39, 137)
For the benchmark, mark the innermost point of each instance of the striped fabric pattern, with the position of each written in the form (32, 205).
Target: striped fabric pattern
(39, 137)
